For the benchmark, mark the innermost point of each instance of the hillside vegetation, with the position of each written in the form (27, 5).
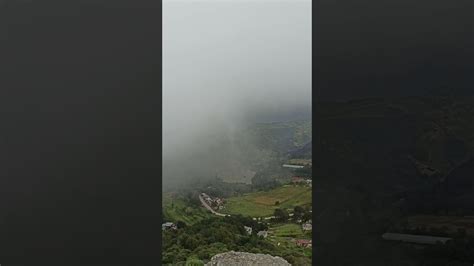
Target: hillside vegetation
(206, 238)
(282, 137)
(177, 209)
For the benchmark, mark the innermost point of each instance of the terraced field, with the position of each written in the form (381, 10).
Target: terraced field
(262, 204)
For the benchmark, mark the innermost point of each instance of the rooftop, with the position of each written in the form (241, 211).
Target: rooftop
(304, 241)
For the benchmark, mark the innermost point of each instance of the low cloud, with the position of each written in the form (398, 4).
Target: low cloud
(227, 65)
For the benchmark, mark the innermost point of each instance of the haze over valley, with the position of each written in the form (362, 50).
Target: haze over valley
(228, 66)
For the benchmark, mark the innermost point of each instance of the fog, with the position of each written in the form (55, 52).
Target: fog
(226, 65)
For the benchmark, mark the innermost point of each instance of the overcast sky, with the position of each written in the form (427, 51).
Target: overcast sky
(226, 61)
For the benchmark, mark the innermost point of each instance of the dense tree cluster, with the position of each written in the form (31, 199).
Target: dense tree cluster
(208, 237)
(302, 213)
(281, 215)
(262, 181)
(196, 244)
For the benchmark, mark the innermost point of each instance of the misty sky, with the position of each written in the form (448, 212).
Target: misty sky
(225, 62)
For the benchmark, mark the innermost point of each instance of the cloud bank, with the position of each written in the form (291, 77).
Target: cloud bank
(225, 65)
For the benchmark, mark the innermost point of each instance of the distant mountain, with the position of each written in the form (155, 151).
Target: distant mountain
(282, 114)
(303, 152)
(237, 156)
(282, 137)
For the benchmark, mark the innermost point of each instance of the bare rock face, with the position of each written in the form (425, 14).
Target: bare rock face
(233, 258)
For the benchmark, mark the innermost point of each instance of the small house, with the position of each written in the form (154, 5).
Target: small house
(297, 180)
(306, 243)
(263, 234)
(248, 230)
(206, 197)
(168, 225)
(293, 166)
(307, 227)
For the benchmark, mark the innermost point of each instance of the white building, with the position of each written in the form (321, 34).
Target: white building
(248, 229)
(219, 201)
(264, 234)
(307, 227)
(293, 166)
(168, 225)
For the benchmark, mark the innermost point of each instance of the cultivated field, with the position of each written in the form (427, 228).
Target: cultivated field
(283, 235)
(261, 204)
(287, 230)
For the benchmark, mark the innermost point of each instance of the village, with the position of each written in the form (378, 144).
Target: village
(271, 212)
(217, 204)
(301, 180)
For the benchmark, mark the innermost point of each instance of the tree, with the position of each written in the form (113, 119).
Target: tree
(193, 261)
(307, 216)
(263, 181)
(188, 210)
(180, 224)
(191, 243)
(181, 255)
(298, 212)
(281, 215)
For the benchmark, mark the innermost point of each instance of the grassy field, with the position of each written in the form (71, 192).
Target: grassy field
(287, 230)
(283, 235)
(175, 209)
(262, 204)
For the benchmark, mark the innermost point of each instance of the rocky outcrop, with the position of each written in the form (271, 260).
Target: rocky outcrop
(233, 258)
